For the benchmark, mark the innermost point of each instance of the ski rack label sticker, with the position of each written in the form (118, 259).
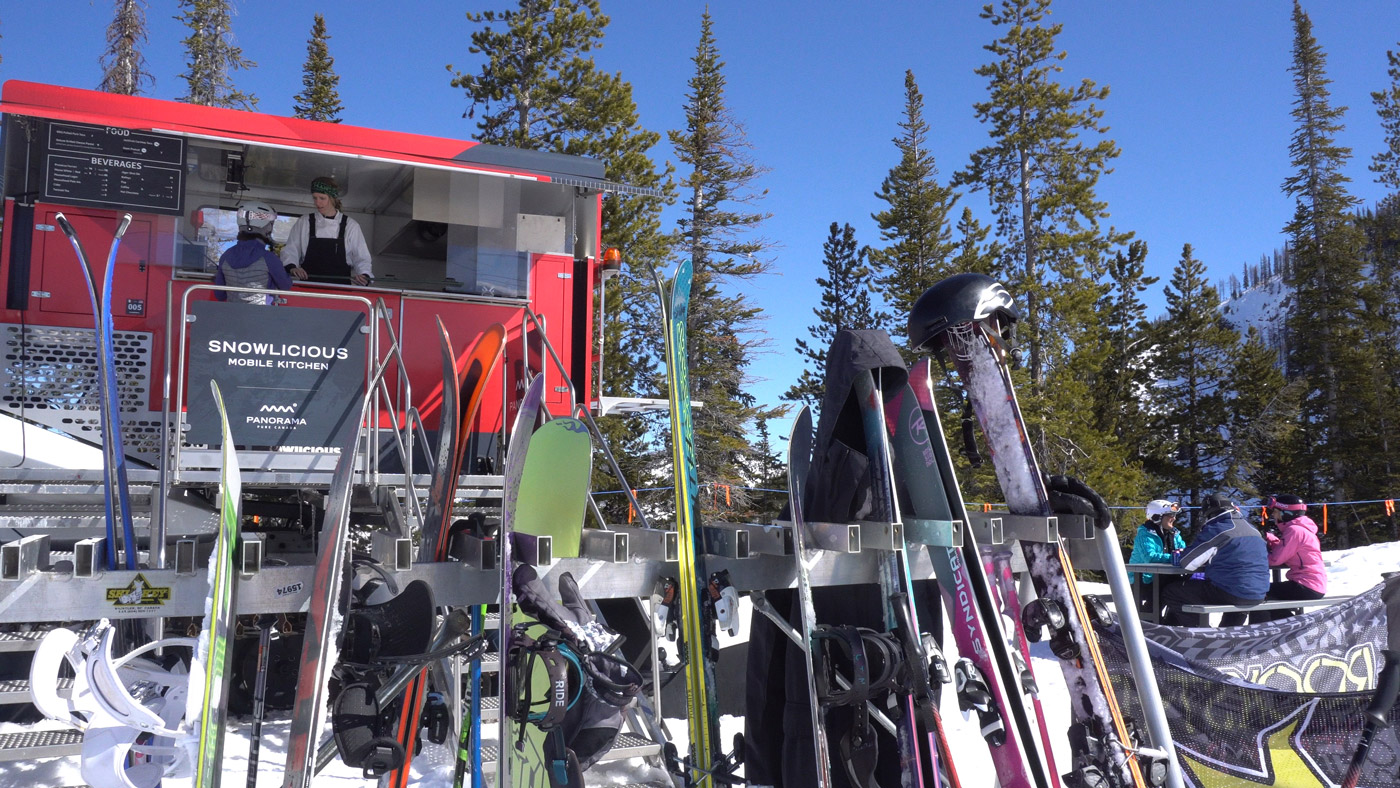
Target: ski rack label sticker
(291, 376)
(138, 593)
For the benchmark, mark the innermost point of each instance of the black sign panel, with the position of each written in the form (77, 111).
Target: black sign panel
(291, 377)
(118, 168)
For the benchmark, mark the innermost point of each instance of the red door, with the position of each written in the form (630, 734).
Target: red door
(61, 274)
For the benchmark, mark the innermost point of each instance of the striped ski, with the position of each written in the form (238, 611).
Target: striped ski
(212, 667)
(1022, 758)
(702, 706)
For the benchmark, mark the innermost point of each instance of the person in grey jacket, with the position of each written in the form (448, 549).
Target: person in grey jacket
(249, 263)
(1233, 560)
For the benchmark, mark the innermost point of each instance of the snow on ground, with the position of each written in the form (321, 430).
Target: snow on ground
(1348, 572)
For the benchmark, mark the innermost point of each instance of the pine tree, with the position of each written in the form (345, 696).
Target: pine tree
(212, 55)
(716, 231)
(1326, 328)
(915, 225)
(1265, 453)
(1386, 164)
(538, 89)
(318, 99)
(1194, 348)
(1039, 173)
(974, 253)
(845, 304)
(1119, 397)
(123, 65)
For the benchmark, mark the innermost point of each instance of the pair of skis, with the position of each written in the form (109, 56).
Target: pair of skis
(114, 476)
(707, 763)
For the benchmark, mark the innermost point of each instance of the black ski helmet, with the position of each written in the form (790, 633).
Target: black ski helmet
(961, 298)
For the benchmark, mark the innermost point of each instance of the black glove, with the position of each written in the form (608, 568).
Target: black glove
(1068, 495)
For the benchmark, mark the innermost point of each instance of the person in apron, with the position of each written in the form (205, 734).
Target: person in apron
(327, 246)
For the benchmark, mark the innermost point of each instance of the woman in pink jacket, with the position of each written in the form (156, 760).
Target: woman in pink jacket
(1297, 548)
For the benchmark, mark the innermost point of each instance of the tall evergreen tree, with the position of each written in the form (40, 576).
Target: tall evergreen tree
(1383, 242)
(974, 254)
(1119, 398)
(915, 223)
(1326, 325)
(318, 99)
(539, 89)
(845, 304)
(123, 65)
(212, 55)
(719, 179)
(1386, 164)
(1195, 346)
(1040, 171)
(1266, 449)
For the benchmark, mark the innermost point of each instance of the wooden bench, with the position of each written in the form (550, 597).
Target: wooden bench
(1272, 604)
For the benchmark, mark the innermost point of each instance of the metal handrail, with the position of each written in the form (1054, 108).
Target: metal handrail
(579, 408)
(413, 420)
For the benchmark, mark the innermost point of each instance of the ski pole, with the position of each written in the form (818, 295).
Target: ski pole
(1377, 715)
(266, 626)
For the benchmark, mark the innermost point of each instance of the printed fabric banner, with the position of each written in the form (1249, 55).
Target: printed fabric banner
(1275, 704)
(292, 377)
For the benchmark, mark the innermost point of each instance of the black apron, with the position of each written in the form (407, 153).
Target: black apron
(324, 260)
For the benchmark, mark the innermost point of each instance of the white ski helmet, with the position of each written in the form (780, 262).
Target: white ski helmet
(1156, 509)
(256, 217)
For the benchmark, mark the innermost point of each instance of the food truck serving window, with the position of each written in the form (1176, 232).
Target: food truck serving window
(428, 227)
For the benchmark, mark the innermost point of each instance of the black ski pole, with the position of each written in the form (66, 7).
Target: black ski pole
(266, 626)
(1377, 715)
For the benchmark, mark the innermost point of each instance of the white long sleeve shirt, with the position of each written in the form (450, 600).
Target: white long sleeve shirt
(356, 250)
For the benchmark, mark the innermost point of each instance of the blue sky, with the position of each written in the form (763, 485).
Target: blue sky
(1199, 103)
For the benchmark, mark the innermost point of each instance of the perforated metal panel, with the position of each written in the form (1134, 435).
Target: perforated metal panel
(49, 376)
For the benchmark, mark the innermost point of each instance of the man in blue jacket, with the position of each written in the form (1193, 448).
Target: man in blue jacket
(1233, 559)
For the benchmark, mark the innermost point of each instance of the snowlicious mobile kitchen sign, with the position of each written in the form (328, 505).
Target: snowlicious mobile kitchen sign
(291, 377)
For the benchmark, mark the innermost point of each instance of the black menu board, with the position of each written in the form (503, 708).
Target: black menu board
(119, 168)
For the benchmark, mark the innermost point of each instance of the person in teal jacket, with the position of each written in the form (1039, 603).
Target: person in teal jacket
(1156, 541)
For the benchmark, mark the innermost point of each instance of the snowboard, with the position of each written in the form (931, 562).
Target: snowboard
(552, 502)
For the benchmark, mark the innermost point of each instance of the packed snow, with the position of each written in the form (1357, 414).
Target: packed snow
(1348, 572)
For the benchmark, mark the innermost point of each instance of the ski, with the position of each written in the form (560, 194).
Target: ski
(897, 595)
(212, 667)
(329, 598)
(525, 420)
(706, 763)
(966, 316)
(799, 460)
(1013, 730)
(116, 498)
